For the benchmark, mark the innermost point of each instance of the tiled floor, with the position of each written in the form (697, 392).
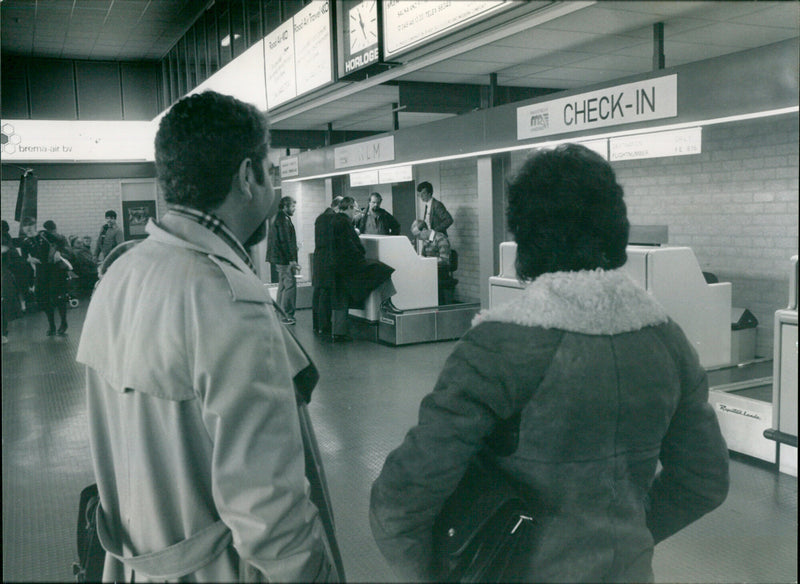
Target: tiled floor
(366, 400)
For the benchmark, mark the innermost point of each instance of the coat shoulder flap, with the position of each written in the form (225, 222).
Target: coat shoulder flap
(244, 287)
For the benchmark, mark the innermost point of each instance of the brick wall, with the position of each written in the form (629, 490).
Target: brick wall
(735, 205)
(77, 206)
(311, 201)
(458, 190)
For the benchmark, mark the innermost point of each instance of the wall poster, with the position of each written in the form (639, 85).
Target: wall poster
(134, 218)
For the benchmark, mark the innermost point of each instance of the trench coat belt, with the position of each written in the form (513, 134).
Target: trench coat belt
(177, 560)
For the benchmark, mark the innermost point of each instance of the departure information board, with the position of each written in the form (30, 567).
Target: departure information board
(298, 54)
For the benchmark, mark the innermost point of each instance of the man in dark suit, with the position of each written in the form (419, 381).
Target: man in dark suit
(322, 278)
(435, 214)
(355, 277)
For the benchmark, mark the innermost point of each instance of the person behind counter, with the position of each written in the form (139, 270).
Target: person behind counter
(376, 220)
(434, 244)
(577, 390)
(435, 214)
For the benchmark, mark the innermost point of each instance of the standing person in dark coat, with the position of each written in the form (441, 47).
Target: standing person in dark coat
(322, 278)
(435, 214)
(21, 270)
(355, 276)
(11, 306)
(45, 252)
(377, 221)
(282, 253)
(602, 399)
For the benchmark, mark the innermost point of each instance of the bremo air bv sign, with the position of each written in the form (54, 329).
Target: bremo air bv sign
(640, 101)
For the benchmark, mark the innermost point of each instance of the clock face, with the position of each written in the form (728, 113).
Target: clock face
(363, 25)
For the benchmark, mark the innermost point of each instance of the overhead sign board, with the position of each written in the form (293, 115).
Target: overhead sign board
(381, 176)
(410, 23)
(395, 175)
(640, 101)
(358, 34)
(298, 54)
(656, 144)
(290, 167)
(82, 141)
(370, 152)
(364, 178)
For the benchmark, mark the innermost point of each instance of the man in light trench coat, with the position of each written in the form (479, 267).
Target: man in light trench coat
(195, 433)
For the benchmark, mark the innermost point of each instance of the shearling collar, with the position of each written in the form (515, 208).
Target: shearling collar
(596, 302)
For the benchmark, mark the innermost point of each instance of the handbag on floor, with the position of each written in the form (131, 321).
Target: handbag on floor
(484, 529)
(91, 555)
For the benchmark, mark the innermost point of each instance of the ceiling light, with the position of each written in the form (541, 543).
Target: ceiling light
(226, 41)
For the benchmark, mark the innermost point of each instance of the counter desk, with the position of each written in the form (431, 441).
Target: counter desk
(414, 314)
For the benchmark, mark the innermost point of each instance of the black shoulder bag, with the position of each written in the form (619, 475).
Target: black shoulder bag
(486, 528)
(91, 555)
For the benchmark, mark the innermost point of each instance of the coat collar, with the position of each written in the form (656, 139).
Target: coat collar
(594, 302)
(182, 232)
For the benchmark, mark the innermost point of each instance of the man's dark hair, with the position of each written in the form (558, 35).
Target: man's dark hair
(111, 214)
(567, 213)
(200, 144)
(347, 203)
(284, 203)
(49, 225)
(426, 186)
(377, 196)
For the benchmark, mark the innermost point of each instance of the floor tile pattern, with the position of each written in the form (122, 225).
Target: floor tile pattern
(366, 400)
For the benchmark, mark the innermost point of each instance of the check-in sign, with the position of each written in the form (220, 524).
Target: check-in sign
(640, 101)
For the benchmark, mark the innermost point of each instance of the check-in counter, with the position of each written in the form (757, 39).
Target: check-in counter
(784, 380)
(674, 277)
(415, 277)
(703, 311)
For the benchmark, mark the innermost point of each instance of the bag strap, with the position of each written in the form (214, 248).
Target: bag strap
(177, 560)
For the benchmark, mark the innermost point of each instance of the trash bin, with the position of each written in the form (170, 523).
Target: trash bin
(743, 335)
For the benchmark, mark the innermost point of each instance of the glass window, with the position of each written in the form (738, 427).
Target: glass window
(173, 75)
(223, 12)
(254, 28)
(272, 16)
(200, 50)
(212, 42)
(191, 61)
(238, 45)
(181, 52)
(166, 90)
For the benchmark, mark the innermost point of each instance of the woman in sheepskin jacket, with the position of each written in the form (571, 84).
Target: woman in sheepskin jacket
(603, 387)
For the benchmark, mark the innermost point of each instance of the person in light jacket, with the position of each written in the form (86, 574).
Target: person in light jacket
(589, 384)
(193, 421)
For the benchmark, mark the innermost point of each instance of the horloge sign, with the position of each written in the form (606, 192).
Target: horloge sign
(358, 37)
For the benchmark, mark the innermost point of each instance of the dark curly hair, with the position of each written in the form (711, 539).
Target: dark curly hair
(566, 212)
(200, 144)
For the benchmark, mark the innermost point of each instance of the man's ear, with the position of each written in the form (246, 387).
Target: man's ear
(245, 176)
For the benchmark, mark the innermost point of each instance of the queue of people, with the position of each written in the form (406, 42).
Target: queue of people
(582, 392)
(45, 269)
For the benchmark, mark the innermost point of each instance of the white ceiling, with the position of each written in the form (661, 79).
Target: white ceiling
(594, 43)
(561, 45)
